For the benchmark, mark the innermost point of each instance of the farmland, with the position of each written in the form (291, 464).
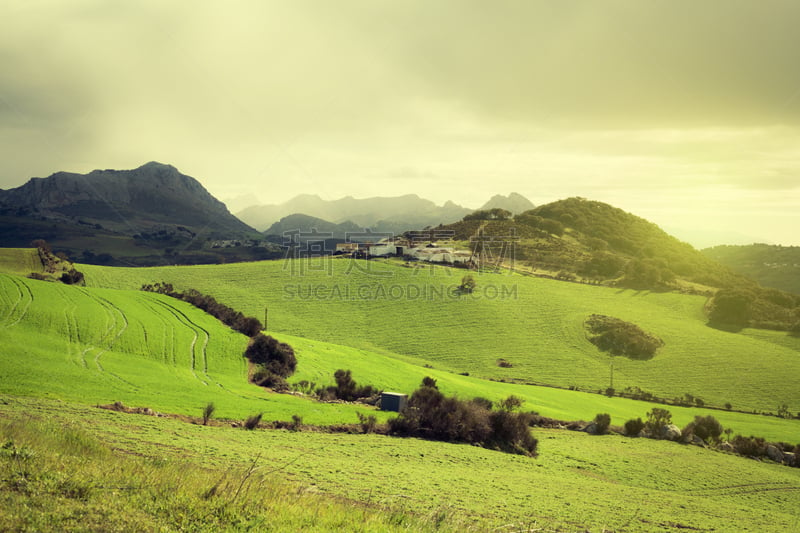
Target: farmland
(578, 482)
(535, 324)
(65, 348)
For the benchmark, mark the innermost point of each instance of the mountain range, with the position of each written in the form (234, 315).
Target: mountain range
(382, 214)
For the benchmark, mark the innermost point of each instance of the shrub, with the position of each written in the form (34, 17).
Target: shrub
(504, 364)
(346, 389)
(208, 412)
(749, 446)
(618, 337)
(253, 421)
(276, 357)
(657, 420)
(430, 414)
(705, 427)
(367, 423)
(511, 403)
(601, 422)
(72, 277)
(297, 423)
(634, 427)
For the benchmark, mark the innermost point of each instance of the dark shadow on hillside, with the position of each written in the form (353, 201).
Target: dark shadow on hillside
(729, 328)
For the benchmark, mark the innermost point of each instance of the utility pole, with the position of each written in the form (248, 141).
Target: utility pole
(266, 316)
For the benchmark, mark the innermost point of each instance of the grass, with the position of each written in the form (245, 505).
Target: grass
(20, 261)
(57, 476)
(408, 313)
(108, 470)
(143, 349)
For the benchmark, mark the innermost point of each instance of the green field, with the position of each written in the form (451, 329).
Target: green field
(536, 324)
(64, 348)
(143, 349)
(321, 482)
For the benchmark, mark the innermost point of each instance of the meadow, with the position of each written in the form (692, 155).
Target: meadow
(103, 468)
(65, 348)
(413, 315)
(143, 349)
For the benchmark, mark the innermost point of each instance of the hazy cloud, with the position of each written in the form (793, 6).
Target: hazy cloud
(450, 99)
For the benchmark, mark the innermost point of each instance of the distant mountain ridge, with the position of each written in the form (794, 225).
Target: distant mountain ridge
(307, 223)
(125, 201)
(150, 215)
(387, 214)
(514, 202)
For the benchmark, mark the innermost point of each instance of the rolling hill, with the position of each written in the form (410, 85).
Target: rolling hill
(535, 324)
(770, 265)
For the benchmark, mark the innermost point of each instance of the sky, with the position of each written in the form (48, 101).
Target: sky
(684, 112)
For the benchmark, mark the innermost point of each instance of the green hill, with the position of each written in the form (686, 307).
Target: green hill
(100, 346)
(770, 265)
(535, 324)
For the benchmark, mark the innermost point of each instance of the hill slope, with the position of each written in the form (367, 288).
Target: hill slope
(99, 346)
(536, 324)
(770, 265)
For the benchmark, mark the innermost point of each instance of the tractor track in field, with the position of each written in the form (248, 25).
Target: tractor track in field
(112, 334)
(748, 488)
(73, 330)
(196, 330)
(21, 306)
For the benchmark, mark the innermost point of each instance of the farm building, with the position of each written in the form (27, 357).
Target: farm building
(393, 401)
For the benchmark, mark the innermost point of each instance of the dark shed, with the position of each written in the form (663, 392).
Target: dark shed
(393, 401)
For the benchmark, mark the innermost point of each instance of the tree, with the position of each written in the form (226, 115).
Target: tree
(731, 307)
(601, 423)
(657, 420)
(705, 427)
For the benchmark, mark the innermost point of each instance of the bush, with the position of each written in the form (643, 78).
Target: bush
(618, 337)
(253, 421)
(72, 277)
(749, 446)
(346, 389)
(430, 414)
(705, 427)
(208, 412)
(601, 423)
(634, 427)
(276, 357)
(657, 420)
(367, 423)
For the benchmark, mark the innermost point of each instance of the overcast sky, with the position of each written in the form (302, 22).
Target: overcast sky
(684, 112)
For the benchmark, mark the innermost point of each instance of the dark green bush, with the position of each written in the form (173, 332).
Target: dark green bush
(430, 414)
(707, 428)
(634, 427)
(618, 337)
(657, 420)
(601, 422)
(253, 421)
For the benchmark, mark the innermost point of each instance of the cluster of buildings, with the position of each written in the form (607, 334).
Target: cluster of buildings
(398, 248)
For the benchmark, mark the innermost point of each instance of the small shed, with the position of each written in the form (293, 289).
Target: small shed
(393, 401)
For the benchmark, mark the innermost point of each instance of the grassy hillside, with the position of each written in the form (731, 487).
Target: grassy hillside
(144, 349)
(107, 470)
(535, 324)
